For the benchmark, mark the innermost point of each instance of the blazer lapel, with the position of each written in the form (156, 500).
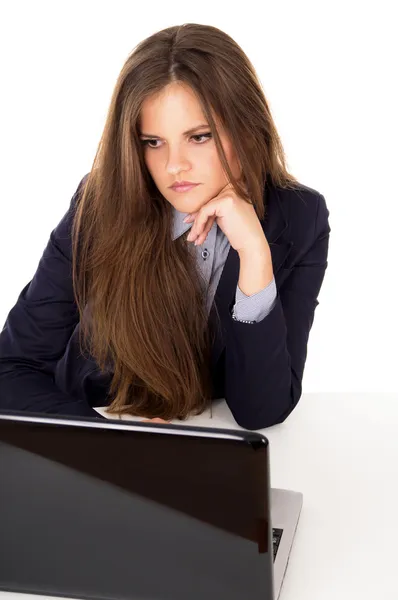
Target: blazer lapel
(275, 224)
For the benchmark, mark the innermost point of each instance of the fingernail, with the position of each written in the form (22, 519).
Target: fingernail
(186, 219)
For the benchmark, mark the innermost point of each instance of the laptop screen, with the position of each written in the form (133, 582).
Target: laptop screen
(95, 509)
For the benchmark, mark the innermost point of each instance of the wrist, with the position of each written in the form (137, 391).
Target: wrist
(259, 251)
(255, 272)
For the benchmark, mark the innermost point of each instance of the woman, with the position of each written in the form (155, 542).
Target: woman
(169, 325)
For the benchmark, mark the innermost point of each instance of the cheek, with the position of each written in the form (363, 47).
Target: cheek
(148, 158)
(230, 154)
(152, 165)
(210, 164)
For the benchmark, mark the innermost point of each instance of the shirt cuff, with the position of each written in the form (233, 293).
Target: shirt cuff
(256, 307)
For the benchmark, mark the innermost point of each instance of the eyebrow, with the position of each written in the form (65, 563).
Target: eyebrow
(185, 132)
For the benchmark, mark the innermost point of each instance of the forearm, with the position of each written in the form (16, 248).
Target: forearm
(255, 271)
(25, 389)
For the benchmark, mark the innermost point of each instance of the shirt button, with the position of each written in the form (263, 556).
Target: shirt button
(205, 253)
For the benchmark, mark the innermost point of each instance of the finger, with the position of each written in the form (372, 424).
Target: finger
(201, 238)
(191, 217)
(205, 213)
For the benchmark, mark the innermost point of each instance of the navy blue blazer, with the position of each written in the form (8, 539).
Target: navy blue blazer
(257, 368)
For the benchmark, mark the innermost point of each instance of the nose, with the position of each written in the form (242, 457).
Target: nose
(177, 162)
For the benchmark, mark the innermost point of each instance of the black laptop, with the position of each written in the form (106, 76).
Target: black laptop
(140, 511)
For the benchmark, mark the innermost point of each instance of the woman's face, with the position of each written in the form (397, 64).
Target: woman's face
(177, 156)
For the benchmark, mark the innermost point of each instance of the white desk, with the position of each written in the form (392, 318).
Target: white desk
(341, 451)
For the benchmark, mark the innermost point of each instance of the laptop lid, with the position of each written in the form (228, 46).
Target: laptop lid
(137, 511)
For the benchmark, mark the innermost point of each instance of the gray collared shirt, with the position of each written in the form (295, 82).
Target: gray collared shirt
(211, 257)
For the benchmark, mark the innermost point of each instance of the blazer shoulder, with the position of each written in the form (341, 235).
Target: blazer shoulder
(303, 202)
(61, 235)
(306, 213)
(301, 194)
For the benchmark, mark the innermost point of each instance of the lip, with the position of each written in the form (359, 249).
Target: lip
(183, 186)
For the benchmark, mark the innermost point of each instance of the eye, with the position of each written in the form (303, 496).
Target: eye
(200, 135)
(147, 142)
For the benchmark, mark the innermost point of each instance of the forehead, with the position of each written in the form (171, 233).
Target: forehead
(175, 105)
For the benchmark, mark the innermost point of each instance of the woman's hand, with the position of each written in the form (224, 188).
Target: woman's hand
(236, 218)
(156, 420)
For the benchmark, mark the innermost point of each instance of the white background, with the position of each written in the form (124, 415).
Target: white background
(329, 74)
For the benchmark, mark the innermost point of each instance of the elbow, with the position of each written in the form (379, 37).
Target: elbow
(266, 417)
(255, 422)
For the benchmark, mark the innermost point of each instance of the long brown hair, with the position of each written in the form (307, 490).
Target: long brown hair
(141, 300)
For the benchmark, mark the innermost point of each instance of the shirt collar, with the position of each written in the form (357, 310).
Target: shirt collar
(178, 226)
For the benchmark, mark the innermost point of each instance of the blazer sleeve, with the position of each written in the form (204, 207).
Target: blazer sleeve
(264, 361)
(37, 330)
